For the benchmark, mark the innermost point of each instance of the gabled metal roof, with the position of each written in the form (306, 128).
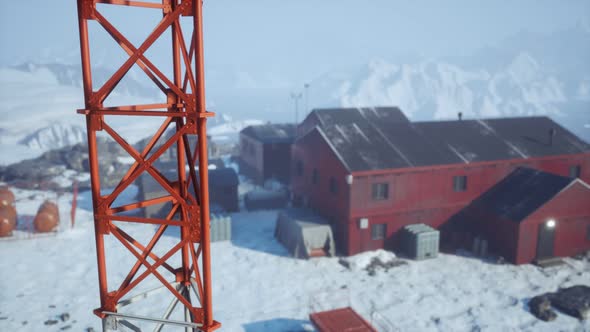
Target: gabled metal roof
(271, 133)
(521, 193)
(364, 142)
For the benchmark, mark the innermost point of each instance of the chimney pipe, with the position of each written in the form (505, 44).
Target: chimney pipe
(460, 116)
(551, 134)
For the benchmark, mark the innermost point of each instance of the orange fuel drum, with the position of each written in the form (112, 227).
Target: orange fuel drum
(47, 217)
(6, 196)
(7, 220)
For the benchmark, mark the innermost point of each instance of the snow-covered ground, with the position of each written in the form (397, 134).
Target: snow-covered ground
(258, 287)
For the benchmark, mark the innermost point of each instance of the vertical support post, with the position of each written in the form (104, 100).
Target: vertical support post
(92, 149)
(74, 203)
(203, 162)
(180, 160)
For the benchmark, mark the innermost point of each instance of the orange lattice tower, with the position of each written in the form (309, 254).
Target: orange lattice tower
(185, 265)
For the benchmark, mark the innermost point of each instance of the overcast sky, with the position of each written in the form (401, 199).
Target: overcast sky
(305, 35)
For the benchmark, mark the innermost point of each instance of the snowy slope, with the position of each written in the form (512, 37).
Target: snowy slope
(440, 90)
(38, 106)
(55, 135)
(257, 287)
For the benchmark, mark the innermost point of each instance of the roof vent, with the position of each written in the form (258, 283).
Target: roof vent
(460, 114)
(551, 134)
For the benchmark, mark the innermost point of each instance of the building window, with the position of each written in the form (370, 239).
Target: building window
(299, 168)
(460, 183)
(378, 231)
(315, 176)
(333, 186)
(380, 191)
(575, 171)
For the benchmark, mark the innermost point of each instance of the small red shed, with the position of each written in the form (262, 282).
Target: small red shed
(340, 320)
(530, 215)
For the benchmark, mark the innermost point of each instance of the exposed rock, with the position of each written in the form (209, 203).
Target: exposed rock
(377, 263)
(64, 317)
(541, 307)
(574, 301)
(40, 172)
(50, 322)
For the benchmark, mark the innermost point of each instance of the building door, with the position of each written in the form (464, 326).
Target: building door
(545, 241)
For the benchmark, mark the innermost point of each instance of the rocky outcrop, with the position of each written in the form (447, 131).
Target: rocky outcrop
(574, 301)
(42, 171)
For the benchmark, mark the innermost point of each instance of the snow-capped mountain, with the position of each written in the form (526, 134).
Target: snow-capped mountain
(71, 75)
(529, 74)
(55, 135)
(538, 76)
(38, 105)
(433, 89)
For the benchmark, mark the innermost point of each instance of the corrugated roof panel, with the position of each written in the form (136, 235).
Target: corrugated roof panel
(271, 133)
(382, 138)
(521, 193)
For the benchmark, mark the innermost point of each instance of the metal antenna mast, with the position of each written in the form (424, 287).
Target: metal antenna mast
(183, 113)
(296, 97)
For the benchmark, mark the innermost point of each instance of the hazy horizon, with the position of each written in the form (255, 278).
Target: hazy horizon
(300, 39)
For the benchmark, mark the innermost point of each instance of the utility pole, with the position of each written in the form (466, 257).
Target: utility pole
(306, 86)
(296, 97)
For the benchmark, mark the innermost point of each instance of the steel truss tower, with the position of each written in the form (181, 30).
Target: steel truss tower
(183, 116)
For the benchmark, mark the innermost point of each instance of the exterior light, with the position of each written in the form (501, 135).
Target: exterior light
(550, 223)
(349, 179)
(363, 223)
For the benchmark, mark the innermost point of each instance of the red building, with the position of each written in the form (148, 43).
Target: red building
(529, 215)
(265, 152)
(371, 171)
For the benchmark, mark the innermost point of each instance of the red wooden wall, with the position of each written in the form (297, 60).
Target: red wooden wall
(416, 195)
(313, 152)
(251, 158)
(571, 211)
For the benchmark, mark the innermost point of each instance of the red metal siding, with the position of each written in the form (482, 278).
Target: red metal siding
(501, 235)
(416, 195)
(313, 152)
(360, 239)
(571, 210)
(251, 156)
(426, 195)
